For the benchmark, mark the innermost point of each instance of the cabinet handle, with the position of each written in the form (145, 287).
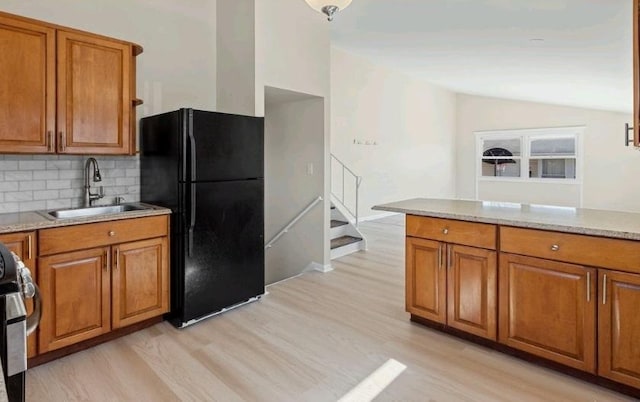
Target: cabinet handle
(445, 231)
(604, 289)
(588, 287)
(105, 262)
(118, 258)
(29, 246)
(555, 247)
(112, 233)
(449, 257)
(50, 140)
(62, 144)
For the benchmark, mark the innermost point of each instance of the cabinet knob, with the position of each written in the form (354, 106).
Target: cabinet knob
(445, 231)
(555, 247)
(112, 233)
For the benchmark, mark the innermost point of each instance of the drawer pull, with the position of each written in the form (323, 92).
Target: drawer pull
(445, 231)
(555, 247)
(112, 233)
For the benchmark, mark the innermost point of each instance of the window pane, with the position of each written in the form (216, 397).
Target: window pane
(553, 146)
(552, 168)
(500, 147)
(501, 168)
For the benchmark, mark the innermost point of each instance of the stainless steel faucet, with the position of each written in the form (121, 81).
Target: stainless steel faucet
(90, 197)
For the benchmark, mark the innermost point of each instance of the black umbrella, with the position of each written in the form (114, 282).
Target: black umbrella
(495, 162)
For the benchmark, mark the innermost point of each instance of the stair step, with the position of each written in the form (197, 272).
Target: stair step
(344, 241)
(337, 223)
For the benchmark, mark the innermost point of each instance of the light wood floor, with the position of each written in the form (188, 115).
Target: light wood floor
(313, 338)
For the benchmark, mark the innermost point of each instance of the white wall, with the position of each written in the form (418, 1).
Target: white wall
(178, 66)
(412, 121)
(236, 62)
(610, 169)
(294, 137)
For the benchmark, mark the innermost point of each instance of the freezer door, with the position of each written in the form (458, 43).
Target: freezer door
(226, 147)
(224, 249)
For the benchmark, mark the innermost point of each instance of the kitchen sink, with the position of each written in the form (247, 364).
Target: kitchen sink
(93, 211)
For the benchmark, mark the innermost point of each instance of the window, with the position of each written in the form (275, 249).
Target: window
(530, 155)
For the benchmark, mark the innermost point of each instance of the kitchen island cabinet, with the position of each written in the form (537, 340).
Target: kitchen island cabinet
(451, 277)
(568, 283)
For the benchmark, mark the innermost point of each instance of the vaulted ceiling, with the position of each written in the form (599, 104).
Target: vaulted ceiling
(569, 52)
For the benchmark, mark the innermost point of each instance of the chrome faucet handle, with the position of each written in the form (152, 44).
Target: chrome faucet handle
(118, 200)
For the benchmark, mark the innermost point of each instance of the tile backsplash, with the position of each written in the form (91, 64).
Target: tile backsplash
(34, 182)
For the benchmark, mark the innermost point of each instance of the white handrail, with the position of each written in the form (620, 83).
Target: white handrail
(341, 198)
(293, 222)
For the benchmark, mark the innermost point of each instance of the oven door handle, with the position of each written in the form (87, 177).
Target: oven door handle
(33, 320)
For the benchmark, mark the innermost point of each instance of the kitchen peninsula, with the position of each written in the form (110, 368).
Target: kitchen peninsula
(560, 286)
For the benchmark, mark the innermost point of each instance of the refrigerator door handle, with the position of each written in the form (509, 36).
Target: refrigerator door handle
(192, 144)
(192, 216)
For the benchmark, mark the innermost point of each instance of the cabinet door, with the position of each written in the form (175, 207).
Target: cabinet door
(619, 327)
(548, 308)
(76, 292)
(24, 245)
(140, 277)
(94, 98)
(426, 279)
(27, 86)
(472, 290)
(636, 72)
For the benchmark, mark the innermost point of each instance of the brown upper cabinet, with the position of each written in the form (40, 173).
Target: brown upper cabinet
(65, 91)
(636, 73)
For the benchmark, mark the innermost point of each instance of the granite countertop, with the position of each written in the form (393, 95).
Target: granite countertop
(615, 224)
(26, 221)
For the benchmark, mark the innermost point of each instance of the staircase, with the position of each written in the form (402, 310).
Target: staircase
(345, 189)
(345, 236)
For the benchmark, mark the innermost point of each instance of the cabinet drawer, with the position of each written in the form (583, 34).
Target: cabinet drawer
(451, 231)
(79, 237)
(579, 249)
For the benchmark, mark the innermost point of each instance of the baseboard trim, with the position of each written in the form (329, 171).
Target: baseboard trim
(314, 266)
(379, 216)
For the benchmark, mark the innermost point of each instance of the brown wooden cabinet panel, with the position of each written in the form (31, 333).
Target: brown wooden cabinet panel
(636, 72)
(140, 280)
(27, 88)
(619, 327)
(76, 292)
(94, 98)
(472, 290)
(426, 279)
(548, 309)
(25, 247)
(452, 231)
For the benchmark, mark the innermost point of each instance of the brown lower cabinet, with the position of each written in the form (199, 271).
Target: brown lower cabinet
(453, 285)
(548, 309)
(619, 327)
(25, 246)
(90, 292)
(98, 277)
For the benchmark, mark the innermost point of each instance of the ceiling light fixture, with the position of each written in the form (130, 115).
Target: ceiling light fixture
(328, 7)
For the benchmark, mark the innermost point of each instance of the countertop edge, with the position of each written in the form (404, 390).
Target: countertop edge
(41, 222)
(515, 223)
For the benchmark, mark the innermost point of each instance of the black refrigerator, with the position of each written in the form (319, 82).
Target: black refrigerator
(208, 168)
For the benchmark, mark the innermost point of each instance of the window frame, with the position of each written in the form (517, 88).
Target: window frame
(526, 136)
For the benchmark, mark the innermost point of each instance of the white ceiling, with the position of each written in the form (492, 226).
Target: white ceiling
(484, 47)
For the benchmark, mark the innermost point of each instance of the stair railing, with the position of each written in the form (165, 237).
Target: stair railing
(347, 174)
(292, 223)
